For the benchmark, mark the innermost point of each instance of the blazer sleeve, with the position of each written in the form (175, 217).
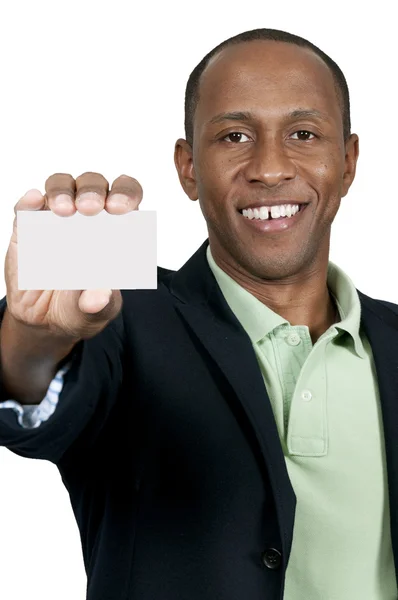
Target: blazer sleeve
(33, 415)
(91, 385)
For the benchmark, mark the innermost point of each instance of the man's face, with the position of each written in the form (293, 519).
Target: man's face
(267, 157)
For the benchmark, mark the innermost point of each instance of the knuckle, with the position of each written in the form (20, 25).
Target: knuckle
(127, 186)
(91, 182)
(58, 176)
(127, 180)
(90, 175)
(64, 179)
(59, 183)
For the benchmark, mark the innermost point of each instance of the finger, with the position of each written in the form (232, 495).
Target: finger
(32, 200)
(60, 194)
(91, 192)
(125, 195)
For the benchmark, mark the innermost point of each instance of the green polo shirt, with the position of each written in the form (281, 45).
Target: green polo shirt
(325, 401)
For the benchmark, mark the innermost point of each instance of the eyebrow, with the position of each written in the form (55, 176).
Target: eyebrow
(248, 116)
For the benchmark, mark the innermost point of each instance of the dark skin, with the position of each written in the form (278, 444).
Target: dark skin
(267, 158)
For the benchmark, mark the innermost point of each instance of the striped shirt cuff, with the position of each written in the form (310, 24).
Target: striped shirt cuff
(33, 415)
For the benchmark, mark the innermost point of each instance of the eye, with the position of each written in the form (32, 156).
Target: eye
(304, 132)
(236, 137)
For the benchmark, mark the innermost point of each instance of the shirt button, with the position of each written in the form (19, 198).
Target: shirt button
(271, 558)
(293, 339)
(306, 395)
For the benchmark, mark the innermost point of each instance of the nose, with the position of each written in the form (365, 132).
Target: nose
(269, 163)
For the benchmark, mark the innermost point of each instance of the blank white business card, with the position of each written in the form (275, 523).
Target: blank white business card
(86, 252)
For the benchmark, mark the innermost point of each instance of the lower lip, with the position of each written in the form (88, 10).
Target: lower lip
(275, 225)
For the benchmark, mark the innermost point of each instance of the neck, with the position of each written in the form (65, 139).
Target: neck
(301, 299)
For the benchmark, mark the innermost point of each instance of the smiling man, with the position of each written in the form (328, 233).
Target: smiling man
(266, 130)
(232, 434)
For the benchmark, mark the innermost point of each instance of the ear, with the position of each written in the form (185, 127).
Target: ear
(351, 157)
(183, 160)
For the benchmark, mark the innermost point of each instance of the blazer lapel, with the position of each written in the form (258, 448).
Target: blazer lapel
(203, 307)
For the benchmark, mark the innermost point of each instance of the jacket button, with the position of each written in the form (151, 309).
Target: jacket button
(271, 558)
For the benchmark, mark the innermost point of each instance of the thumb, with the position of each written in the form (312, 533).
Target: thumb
(93, 301)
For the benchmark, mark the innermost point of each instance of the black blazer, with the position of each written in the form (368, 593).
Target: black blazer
(166, 441)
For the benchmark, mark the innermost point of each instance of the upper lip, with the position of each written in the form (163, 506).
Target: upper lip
(271, 203)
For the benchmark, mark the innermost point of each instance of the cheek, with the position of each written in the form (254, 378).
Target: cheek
(330, 167)
(213, 180)
(327, 176)
(327, 180)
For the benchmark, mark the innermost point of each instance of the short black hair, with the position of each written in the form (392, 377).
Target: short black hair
(192, 88)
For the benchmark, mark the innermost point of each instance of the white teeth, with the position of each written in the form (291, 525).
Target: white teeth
(263, 212)
(286, 210)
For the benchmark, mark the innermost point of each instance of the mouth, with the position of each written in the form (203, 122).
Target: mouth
(275, 225)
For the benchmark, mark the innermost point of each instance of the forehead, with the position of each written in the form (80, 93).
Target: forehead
(266, 75)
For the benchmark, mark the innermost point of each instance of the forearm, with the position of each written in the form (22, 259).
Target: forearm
(29, 359)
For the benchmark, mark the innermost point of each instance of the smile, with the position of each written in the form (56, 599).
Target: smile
(274, 225)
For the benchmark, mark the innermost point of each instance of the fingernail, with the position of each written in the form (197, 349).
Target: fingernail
(62, 200)
(118, 200)
(89, 198)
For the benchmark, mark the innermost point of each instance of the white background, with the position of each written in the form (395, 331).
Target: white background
(99, 86)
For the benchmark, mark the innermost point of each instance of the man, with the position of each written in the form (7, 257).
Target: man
(223, 436)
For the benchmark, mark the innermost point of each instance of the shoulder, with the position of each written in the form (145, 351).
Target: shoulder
(390, 305)
(377, 304)
(164, 274)
(384, 310)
